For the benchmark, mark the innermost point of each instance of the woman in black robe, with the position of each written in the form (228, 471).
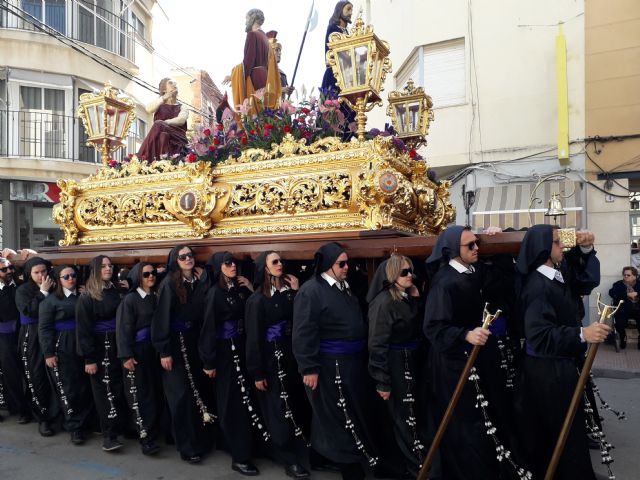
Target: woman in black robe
(329, 344)
(270, 362)
(36, 287)
(96, 336)
(222, 351)
(555, 347)
(139, 358)
(57, 333)
(396, 353)
(174, 334)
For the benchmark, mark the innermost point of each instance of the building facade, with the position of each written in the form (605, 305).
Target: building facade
(53, 51)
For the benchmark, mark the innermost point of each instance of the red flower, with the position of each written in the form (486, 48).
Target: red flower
(305, 110)
(268, 126)
(286, 129)
(220, 127)
(243, 140)
(191, 158)
(216, 141)
(252, 132)
(130, 156)
(113, 163)
(413, 153)
(206, 132)
(212, 148)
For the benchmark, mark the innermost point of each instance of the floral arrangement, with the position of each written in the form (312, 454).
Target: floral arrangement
(312, 119)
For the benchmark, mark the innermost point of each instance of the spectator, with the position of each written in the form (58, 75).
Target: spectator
(626, 289)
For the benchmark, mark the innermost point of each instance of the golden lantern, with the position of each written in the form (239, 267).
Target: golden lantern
(411, 113)
(106, 116)
(360, 64)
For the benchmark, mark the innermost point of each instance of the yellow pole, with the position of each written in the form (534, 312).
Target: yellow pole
(563, 97)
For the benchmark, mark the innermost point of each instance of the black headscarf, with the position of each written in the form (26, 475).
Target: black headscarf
(172, 259)
(33, 262)
(379, 283)
(535, 248)
(260, 267)
(55, 274)
(448, 245)
(326, 256)
(134, 278)
(215, 264)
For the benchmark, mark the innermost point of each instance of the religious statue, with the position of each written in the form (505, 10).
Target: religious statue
(337, 23)
(259, 69)
(167, 136)
(277, 51)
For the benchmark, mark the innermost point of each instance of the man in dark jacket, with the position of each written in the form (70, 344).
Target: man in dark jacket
(627, 290)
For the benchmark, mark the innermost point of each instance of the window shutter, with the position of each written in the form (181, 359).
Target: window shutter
(444, 72)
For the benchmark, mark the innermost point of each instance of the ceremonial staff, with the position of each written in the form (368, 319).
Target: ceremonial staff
(488, 320)
(304, 37)
(606, 312)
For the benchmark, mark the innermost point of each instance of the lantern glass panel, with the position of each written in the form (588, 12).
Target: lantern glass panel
(122, 120)
(94, 125)
(414, 116)
(401, 111)
(111, 120)
(346, 67)
(362, 60)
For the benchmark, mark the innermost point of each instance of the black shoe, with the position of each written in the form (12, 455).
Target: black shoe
(45, 429)
(77, 438)
(193, 459)
(150, 448)
(623, 343)
(111, 444)
(248, 468)
(296, 471)
(24, 418)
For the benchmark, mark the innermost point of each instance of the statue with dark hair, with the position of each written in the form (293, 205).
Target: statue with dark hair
(338, 22)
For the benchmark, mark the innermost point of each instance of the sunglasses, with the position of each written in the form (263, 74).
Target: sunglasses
(7, 268)
(276, 261)
(69, 276)
(152, 273)
(228, 263)
(405, 272)
(472, 245)
(342, 263)
(185, 256)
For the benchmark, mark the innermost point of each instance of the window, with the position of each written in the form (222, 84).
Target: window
(137, 25)
(54, 12)
(440, 69)
(42, 129)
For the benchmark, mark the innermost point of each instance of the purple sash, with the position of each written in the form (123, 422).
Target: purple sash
(143, 335)
(532, 353)
(342, 346)
(65, 325)
(178, 325)
(499, 326)
(410, 345)
(228, 330)
(276, 331)
(8, 327)
(24, 320)
(105, 326)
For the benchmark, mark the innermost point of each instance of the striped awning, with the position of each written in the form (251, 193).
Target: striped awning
(507, 206)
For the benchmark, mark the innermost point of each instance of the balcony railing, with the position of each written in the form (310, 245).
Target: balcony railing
(50, 136)
(77, 19)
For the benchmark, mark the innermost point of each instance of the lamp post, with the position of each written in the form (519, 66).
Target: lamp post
(106, 116)
(411, 113)
(360, 63)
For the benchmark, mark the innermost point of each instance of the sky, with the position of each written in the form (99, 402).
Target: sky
(209, 35)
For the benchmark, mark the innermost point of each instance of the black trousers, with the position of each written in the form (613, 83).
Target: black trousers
(147, 382)
(12, 386)
(40, 390)
(113, 421)
(72, 382)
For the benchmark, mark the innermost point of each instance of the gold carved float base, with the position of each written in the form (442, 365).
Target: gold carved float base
(329, 186)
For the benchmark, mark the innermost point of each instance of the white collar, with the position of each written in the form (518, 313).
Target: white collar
(106, 286)
(141, 292)
(460, 268)
(67, 292)
(284, 288)
(11, 283)
(550, 272)
(332, 281)
(193, 279)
